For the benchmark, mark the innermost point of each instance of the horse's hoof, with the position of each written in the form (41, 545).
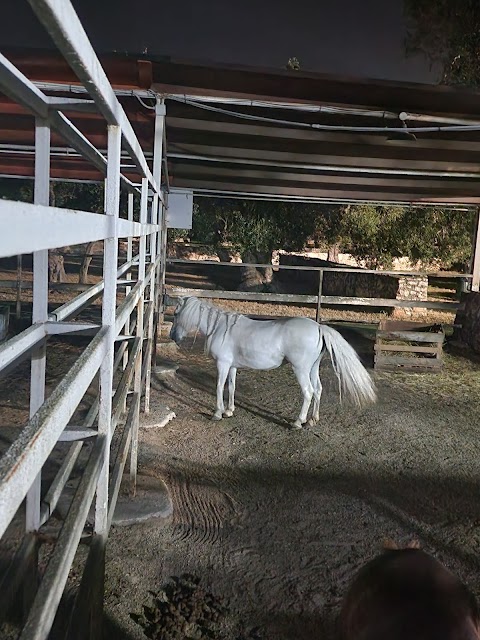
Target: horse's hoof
(228, 414)
(312, 422)
(215, 418)
(296, 426)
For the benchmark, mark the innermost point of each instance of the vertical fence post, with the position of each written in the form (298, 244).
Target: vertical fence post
(39, 356)
(108, 320)
(320, 287)
(476, 256)
(137, 384)
(128, 275)
(160, 113)
(152, 347)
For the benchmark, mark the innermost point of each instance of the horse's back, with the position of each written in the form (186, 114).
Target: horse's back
(264, 344)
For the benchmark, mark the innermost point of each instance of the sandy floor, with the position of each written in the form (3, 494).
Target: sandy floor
(278, 521)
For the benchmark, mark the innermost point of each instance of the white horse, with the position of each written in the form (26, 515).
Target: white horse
(237, 342)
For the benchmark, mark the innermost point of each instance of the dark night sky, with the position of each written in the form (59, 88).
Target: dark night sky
(363, 38)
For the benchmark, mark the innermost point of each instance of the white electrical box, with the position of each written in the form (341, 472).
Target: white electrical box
(180, 209)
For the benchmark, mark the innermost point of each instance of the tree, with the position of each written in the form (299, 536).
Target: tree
(448, 33)
(374, 234)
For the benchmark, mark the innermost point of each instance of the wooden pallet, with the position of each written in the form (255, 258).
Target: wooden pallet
(408, 346)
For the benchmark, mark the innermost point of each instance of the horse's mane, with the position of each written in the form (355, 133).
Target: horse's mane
(194, 310)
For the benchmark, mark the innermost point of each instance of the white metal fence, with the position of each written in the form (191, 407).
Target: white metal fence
(123, 341)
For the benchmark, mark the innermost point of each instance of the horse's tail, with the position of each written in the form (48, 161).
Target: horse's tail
(352, 376)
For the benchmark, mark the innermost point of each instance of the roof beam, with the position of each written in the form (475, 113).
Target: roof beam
(230, 152)
(312, 135)
(186, 171)
(340, 194)
(19, 88)
(63, 24)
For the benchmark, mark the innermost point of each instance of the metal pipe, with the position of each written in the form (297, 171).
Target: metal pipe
(40, 306)
(112, 192)
(25, 457)
(328, 168)
(42, 614)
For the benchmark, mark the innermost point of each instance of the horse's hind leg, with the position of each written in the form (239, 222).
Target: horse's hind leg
(317, 391)
(222, 372)
(232, 374)
(303, 377)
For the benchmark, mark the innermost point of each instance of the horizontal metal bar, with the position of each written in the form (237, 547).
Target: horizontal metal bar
(176, 292)
(119, 466)
(65, 227)
(44, 608)
(71, 104)
(16, 347)
(360, 270)
(13, 576)
(23, 460)
(19, 88)
(60, 328)
(62, 23)
(54, 492)
(79, 303)
(130, 302)
(323, 167)
(71, 434)
(122, 390)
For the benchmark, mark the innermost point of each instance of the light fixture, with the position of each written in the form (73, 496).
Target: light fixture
(402, 136)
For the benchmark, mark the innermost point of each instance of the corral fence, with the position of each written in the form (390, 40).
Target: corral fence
(116, 363)
(319, 299)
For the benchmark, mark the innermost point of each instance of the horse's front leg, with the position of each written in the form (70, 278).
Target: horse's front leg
(222, 372)
(232, 374)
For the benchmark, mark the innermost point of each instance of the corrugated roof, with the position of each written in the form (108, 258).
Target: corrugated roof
(244, 147)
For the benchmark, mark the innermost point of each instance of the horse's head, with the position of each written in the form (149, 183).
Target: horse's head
(178, 331)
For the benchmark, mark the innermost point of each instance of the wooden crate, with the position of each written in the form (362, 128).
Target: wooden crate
(408, 346)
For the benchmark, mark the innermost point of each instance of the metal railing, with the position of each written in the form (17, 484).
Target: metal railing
(123, 339)
(319, 299)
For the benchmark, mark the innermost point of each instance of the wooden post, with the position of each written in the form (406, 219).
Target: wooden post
(320, 286)
(476, 257)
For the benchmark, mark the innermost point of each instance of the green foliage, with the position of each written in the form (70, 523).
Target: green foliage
(374, 234)
(448, 33)
(293, 64)
(252, 226)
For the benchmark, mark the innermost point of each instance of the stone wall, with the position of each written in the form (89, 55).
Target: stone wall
(412, 287)
(350, 283)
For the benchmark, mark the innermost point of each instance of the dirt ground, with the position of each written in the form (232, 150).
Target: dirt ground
(278, 521)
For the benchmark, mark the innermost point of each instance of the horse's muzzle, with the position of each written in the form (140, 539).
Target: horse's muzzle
(174, 335)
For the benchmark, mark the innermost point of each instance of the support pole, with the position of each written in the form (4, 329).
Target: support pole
(151, 333)
(129, 274)
(39, 356)
(106, 369)
(137, 385)
(320, 287)
(160, 113)
(476, 256)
